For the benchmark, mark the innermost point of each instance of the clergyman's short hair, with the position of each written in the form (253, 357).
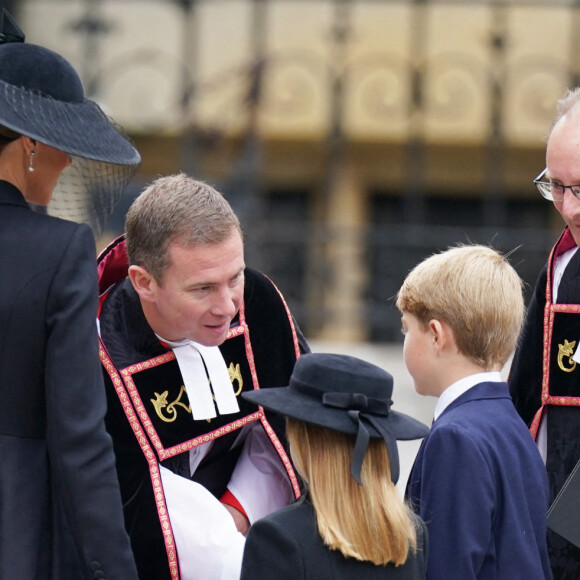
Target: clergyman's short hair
(175, 208)
(567, 106)
(476, 291)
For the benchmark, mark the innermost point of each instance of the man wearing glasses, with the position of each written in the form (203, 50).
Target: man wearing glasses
(545, 374)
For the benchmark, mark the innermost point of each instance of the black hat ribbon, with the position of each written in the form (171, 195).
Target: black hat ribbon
(360, 409)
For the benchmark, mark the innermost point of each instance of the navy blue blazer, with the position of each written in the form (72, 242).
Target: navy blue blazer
(286, 545)
(480, 485)
(60, 506)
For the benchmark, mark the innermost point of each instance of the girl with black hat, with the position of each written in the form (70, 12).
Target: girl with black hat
(60, 506)
(351, 522)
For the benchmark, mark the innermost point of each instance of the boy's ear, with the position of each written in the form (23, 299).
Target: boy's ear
(143, 282)
(441, 334)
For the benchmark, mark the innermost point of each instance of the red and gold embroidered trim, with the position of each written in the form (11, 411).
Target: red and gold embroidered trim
(162, 451)
(290, 320)
(564, 243)
(267, 427)
(151, 461)
(283, 455)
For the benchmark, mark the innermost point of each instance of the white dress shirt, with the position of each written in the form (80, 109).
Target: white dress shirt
(455, 390)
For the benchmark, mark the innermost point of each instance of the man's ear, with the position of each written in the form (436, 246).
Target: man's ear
(143, 282)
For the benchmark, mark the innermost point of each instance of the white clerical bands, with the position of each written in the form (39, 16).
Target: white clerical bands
(193, 360)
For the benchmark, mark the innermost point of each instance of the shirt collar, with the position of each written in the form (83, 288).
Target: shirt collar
(562, 261)
(205, 377)
(455, 390)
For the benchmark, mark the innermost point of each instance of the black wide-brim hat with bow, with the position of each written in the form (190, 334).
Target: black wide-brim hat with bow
(346, 394)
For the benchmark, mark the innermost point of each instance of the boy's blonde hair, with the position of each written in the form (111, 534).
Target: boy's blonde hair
(368, 522)
(476, 291)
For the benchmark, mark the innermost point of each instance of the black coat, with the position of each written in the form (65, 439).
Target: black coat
(60, 509)
(286, 545)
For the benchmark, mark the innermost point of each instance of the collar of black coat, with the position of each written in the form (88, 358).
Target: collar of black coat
(10, 195)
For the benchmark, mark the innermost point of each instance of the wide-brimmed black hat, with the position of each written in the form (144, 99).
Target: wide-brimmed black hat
(42, 97)
(343, 393)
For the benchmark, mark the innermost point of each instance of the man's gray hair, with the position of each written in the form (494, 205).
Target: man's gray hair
(569, 102)
(175, 208)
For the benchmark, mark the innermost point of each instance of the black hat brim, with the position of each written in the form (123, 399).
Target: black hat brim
(80, 129)
(291, 403)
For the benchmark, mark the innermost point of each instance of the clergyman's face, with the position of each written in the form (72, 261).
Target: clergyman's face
(563, 165)
(201, 291)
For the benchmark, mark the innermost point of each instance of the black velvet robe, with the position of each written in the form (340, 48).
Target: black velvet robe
(545, 381)
(263, 341)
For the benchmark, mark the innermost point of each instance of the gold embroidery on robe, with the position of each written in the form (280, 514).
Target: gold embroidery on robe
(160, 402)
(565, 351)
(236, 375)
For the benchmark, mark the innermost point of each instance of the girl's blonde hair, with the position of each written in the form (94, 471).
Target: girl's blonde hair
(367, 522)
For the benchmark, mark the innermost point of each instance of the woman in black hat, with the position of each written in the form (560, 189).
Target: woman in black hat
(351, 522)
(60, 507)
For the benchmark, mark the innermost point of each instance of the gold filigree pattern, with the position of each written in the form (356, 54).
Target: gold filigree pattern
(167, 412)
(160, 403)
(236, 375)
(565, 351)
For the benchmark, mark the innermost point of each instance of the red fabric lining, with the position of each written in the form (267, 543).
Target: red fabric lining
(230, 499)
(113, 264)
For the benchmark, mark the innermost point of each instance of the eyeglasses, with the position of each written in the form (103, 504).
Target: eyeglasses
(554, 191)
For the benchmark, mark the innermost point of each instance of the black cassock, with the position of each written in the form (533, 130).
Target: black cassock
(544, 382)
(260, 351)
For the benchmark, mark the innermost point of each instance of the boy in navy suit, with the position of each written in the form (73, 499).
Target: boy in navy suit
(478, 480)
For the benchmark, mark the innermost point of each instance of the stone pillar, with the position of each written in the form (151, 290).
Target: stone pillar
(343, 254)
